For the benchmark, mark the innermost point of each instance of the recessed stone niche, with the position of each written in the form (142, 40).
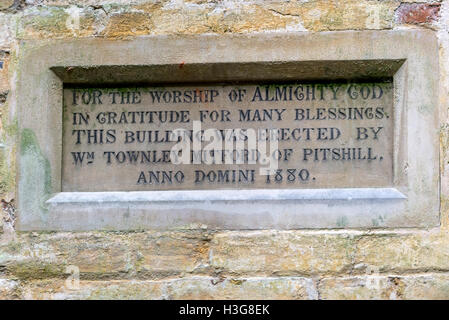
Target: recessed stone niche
(355, 125)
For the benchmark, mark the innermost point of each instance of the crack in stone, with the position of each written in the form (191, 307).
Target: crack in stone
(99, 7)
(285, 14)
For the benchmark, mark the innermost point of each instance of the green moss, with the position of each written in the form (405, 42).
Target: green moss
(47, 20)
(30, 270)
(30, 147)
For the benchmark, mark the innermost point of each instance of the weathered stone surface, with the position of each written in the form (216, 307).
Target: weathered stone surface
(35, 259)
(423, 287)
(155, 255)
(122, 19)
(243, 288)
(170, 253)
(8, 289)
(95, 290)
(56, 22)
(309, 254)
(102, 255)
(391, 287)
(7, 22)
(416, 13)
(186, 288)
(5, 4)
(404, 252)
(430, 286)
(401, 264)
(282, 253)
(322, 15)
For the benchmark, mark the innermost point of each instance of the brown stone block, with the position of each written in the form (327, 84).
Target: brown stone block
(403, 252)
(417, 13)
(105, 255)
(58, 22)
(242, 288)
(170, 252)
(321, 15)
(429, 286)
(8, 289)
(127, 24)
(48, 256)
(5, 4)
(284, 252)
(185, 288)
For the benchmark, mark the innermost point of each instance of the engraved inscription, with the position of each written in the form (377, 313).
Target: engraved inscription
(295, 135)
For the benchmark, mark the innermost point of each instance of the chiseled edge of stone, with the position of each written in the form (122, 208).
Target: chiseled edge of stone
(227, 195)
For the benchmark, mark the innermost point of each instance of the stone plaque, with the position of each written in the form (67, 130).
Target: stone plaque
(309, 135)
(252, 131)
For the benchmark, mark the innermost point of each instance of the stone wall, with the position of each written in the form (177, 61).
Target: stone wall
(190, 264)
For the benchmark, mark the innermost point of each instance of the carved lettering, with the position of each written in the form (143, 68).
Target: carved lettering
(294, 135)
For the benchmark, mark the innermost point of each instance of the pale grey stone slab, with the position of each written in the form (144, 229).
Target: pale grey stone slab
(227, 195)
(409, 56)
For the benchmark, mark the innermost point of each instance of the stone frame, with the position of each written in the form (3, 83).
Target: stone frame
(410, 57)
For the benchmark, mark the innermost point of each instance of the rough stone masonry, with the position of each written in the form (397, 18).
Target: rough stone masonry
(201, 263)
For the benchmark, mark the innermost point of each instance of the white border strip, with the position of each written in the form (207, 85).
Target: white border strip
(228, 195)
